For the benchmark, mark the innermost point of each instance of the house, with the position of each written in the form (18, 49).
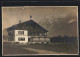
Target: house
(5, 35)
(28, 32)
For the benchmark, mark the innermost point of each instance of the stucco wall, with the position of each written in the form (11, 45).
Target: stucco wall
(19, 35)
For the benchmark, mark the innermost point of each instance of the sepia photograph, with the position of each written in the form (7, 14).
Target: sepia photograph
(40, 30)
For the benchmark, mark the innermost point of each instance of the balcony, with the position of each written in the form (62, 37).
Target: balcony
(36, 36)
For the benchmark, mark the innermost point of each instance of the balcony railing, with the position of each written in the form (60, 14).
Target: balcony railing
(36, 36)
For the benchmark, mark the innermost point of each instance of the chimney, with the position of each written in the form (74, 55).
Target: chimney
(19, 21)
(30, 17)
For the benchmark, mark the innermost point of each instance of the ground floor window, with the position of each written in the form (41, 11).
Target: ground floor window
(21, 39)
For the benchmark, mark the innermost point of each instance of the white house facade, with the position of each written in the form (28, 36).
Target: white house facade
(21, 36)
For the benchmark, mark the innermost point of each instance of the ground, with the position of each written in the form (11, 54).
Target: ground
(39, 49)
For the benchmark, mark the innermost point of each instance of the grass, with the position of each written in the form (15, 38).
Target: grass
(13, 49)
(65, 48)
(71, 49)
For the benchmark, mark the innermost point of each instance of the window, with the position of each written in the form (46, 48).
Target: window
(20, 32)
(21, 39)
(40, 34)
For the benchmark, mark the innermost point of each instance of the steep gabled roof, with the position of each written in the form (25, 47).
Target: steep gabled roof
(30, 25)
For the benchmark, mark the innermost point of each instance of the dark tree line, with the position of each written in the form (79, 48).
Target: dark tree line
(64, 39)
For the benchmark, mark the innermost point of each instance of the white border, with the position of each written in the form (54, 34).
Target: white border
(40, 54)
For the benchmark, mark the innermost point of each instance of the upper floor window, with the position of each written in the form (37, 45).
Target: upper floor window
(20, 32)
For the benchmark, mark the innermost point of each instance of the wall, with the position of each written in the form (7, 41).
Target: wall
(39, 39)
(21, 35)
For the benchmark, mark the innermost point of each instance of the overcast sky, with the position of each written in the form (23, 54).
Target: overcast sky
(12, 15)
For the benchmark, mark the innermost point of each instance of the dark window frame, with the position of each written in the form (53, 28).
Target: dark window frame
(21, 38)
(21, 32)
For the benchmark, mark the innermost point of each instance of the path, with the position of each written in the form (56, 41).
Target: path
(43, 51)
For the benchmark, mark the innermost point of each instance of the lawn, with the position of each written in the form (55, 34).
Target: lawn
(66, 48)
(13, 49)
(58, 48)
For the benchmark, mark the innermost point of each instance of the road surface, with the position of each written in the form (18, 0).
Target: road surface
(39, 51)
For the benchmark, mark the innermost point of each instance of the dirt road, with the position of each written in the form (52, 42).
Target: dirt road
(42, 51)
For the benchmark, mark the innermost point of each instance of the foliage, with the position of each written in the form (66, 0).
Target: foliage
(64, 39)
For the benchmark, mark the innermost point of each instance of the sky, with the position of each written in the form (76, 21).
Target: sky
(12, 15)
